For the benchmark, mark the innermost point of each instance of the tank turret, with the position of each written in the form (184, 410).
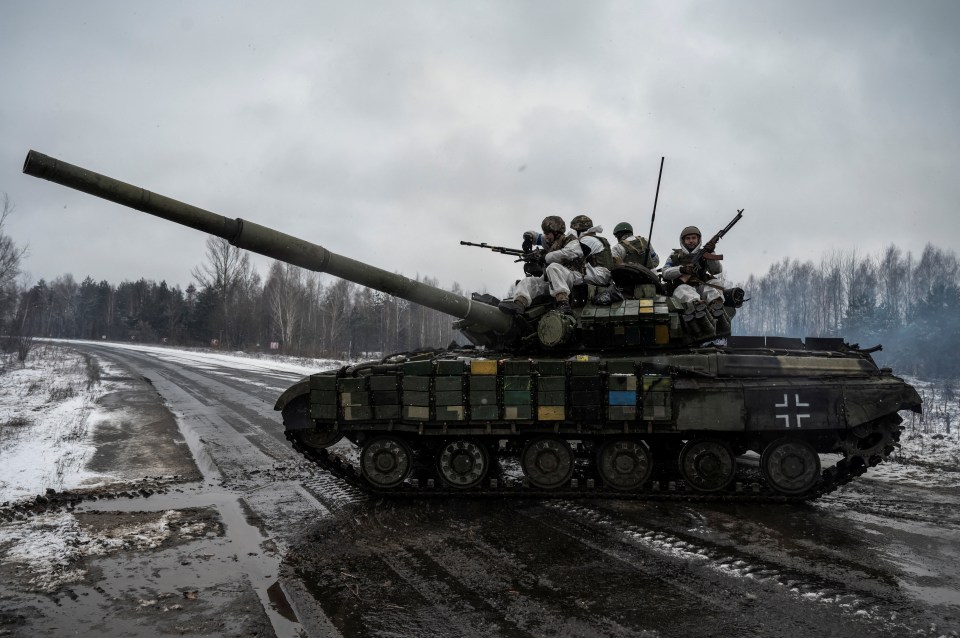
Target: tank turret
(631, 395)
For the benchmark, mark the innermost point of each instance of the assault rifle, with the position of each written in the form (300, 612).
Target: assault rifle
(702, 253)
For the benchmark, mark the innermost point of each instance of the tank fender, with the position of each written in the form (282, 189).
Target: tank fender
(301, 387)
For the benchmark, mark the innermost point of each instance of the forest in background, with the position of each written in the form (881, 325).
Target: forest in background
(910, 305)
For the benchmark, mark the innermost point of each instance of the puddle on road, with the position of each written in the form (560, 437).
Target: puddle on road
(191, 560)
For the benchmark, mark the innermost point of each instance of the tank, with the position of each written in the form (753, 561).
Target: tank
(631, 396)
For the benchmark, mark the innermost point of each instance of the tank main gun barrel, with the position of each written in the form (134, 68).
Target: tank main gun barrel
(265, 241)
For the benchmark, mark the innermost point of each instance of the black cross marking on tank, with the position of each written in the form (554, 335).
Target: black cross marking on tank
(796, 405)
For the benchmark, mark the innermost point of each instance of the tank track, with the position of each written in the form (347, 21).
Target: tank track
(673, 489)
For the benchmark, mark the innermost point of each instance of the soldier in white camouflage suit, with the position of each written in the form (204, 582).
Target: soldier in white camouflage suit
(598, 259)
(564, 261)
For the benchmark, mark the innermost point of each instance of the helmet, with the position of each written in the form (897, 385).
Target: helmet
(690, 230)
(622, 227)
(553, 224)
(581, 223)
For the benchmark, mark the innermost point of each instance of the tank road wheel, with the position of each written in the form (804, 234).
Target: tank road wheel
(386, 461)
(463, 463)
(547, 462)
(624, 465)
(790, 465)
(707, 465)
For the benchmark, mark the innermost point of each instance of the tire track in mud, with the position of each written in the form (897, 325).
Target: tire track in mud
(842, 592)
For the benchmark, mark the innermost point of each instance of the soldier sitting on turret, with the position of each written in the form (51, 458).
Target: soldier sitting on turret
(564, 263)
(631, 249)
(696, 285)
(596, 249)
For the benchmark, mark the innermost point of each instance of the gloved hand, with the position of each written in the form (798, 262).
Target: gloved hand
(710, 246)
(528, 238)
(688, 269)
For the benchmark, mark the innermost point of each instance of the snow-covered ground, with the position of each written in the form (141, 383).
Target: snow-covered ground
(49, 410)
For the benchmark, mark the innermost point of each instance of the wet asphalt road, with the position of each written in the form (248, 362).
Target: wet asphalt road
(875, 558)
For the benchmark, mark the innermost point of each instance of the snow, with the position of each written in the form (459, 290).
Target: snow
(47, 414)
(49, 410)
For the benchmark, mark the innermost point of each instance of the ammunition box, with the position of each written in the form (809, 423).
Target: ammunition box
(323, 396)
(517, 397)
(552, 367)
(552, 398)
(550, 413)
(516, 368)
(551, 384)
(325, 382)
(485, 412)
(517, 412)
(447, 384)
(485, 384)
(416, 412)
(386, 411)
(517, 383)
(483, 366)
(450, 413)
(388, 382)
(416, 398)
(420, 368)
(447, 367)
(448, 398)
(416, 384)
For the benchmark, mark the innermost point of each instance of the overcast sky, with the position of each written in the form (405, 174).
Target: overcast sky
(389, 131)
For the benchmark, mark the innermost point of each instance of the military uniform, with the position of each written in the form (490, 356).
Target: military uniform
(598, 260)
(565, 263)
(632, 250)
(703, 285)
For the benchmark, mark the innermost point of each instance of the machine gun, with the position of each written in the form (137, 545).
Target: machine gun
(532, 259)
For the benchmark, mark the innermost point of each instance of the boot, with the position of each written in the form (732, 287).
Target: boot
(563, 304)
(720, 317)
(707, 325)
(514, 306)
(689, 316)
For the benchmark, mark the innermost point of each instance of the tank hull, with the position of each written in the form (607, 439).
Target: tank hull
(708, 423)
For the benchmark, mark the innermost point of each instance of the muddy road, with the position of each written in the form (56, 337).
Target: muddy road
(267, 545)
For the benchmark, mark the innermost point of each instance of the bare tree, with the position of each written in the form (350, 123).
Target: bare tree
(283, 290)
(11, 256)
(225, 273)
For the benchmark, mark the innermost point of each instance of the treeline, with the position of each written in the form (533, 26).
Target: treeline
(910, 306)
(232, 307)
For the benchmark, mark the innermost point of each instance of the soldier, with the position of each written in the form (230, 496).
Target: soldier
(696, 286)
(563, 257)
(689, 282)
(631, 249)
(596, 250)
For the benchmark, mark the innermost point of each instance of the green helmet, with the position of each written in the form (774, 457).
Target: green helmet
(690, 230)
(581, 223)
(622, 227)
(553, 224)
